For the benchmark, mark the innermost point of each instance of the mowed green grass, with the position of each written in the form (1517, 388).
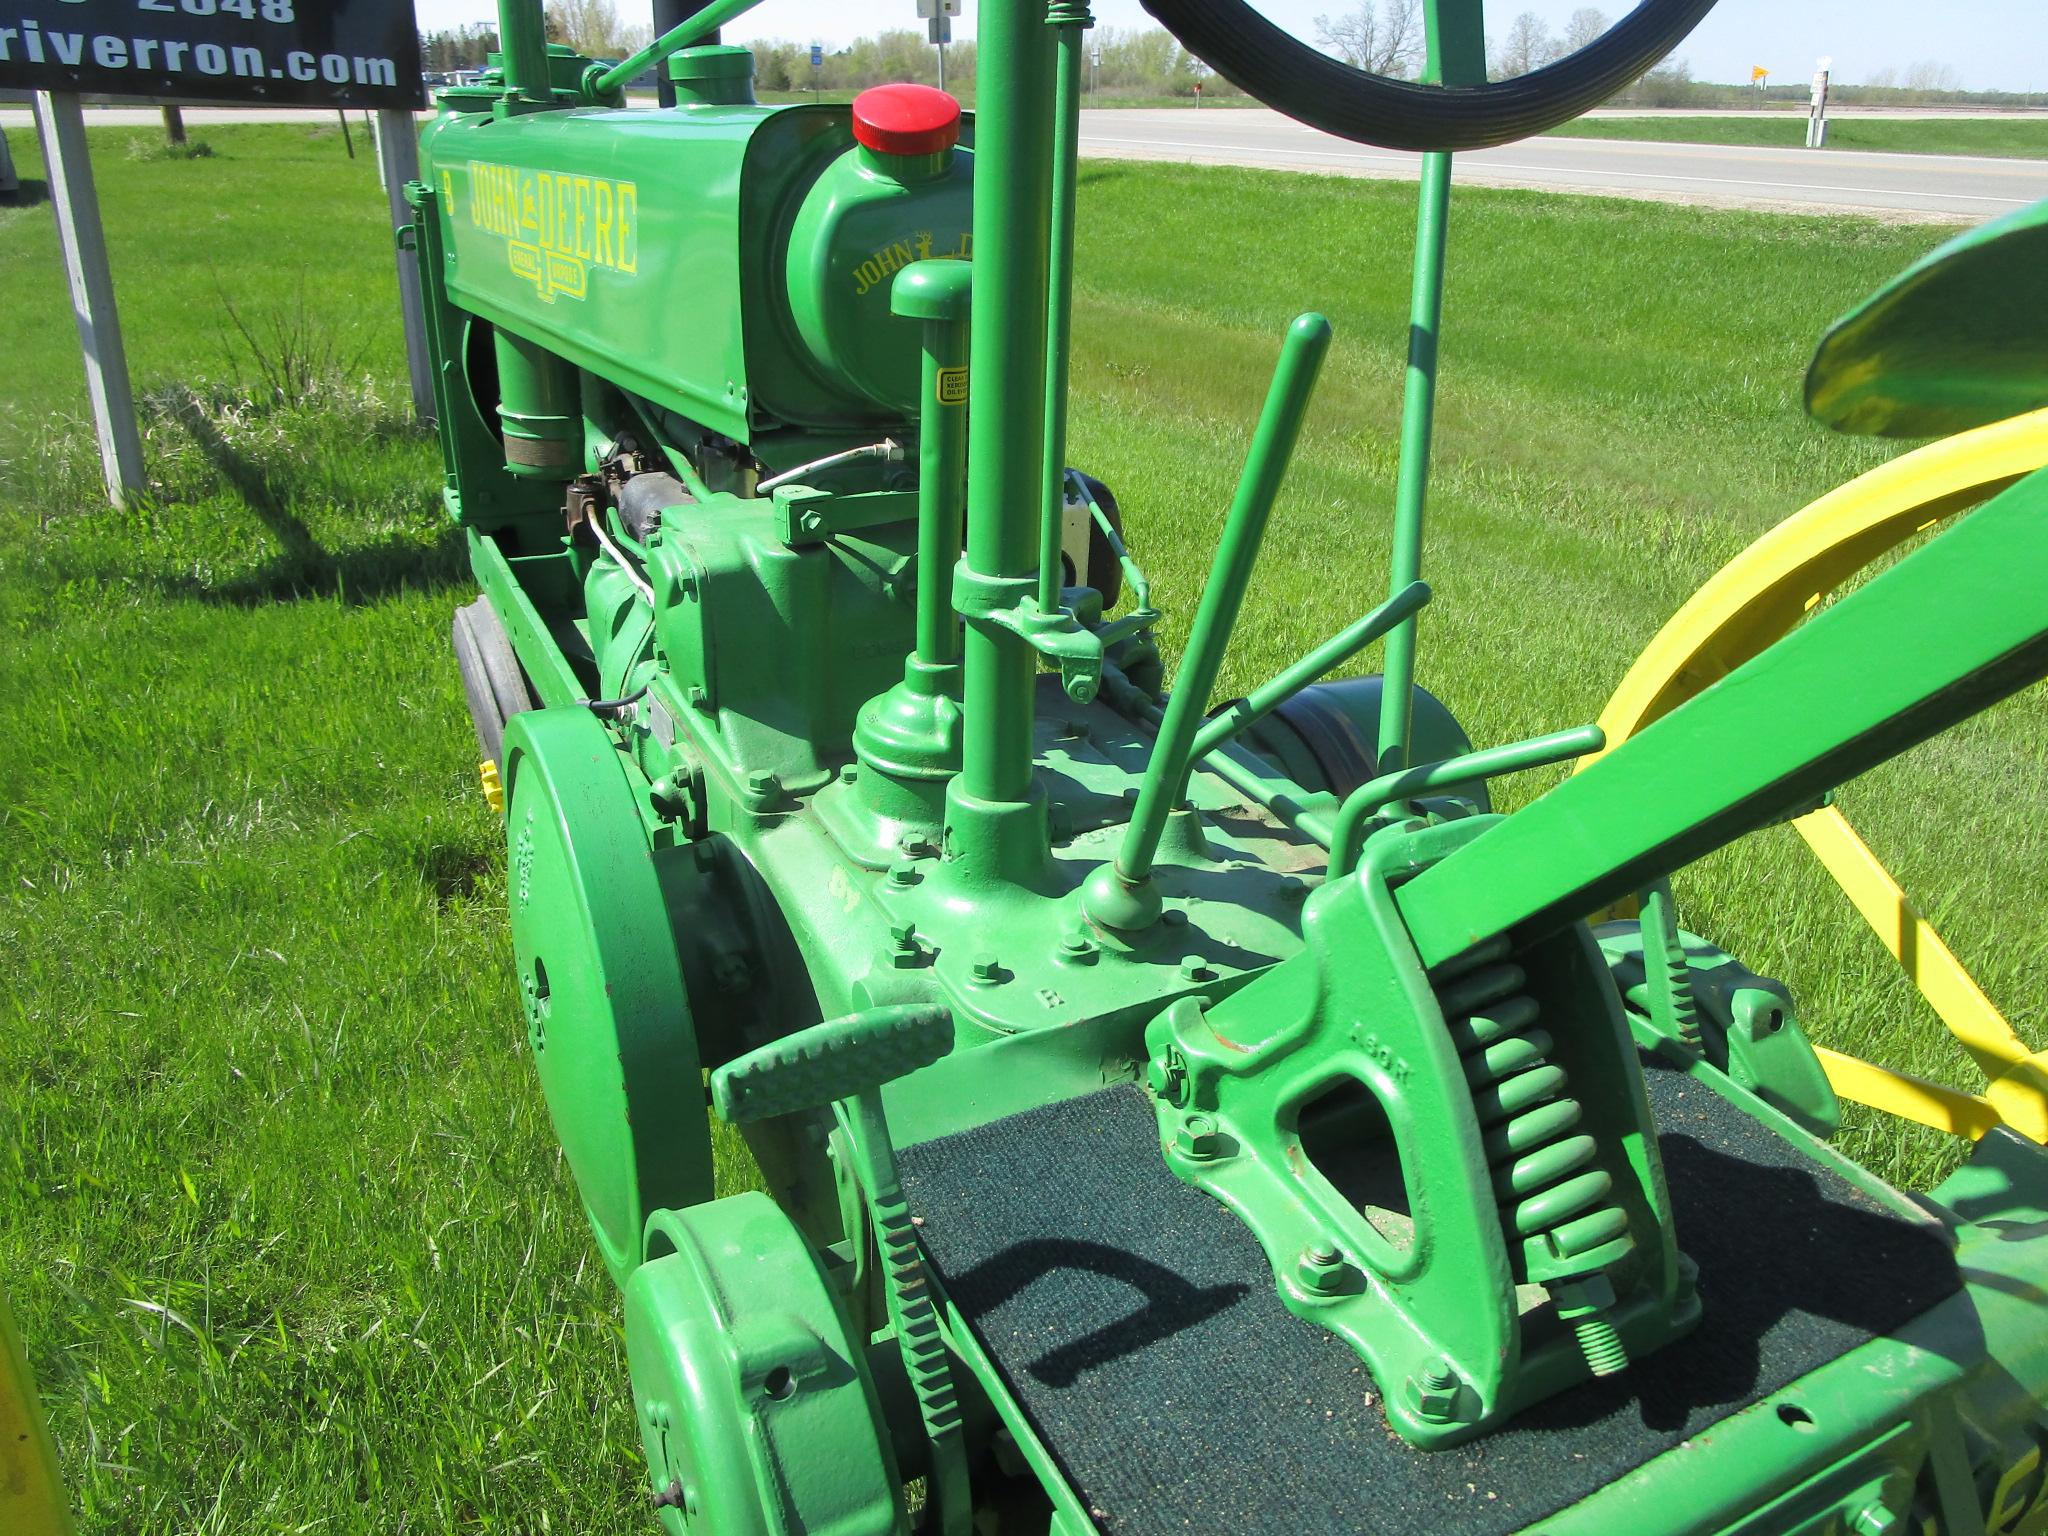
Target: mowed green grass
(2023, 138)
(287, 1233)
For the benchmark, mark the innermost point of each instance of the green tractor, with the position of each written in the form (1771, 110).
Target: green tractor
(1179, 1114)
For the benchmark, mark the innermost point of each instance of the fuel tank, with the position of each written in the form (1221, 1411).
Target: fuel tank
(725, 260)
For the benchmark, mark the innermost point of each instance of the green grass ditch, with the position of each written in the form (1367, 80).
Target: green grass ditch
(2018, 138)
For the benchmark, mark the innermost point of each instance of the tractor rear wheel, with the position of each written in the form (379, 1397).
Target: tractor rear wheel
(493, 682)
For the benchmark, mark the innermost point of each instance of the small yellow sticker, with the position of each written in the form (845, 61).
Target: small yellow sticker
(952, 386)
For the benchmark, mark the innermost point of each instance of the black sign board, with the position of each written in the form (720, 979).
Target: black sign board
(323, 53)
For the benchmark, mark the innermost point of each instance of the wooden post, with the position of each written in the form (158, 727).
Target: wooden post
(174, 125)
(398, 157)
(62, 127)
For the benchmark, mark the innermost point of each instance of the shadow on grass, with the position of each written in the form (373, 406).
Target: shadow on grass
(30, 194)
(358, 577)
(304, 568)
(458, 873)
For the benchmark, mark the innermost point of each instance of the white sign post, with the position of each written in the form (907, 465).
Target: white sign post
(937, 16)
(1817, 108)
(62, 128)
(398, 160)
(340, 53)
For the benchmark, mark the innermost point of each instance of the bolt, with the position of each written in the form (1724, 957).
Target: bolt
(1434, 1393)
(985, 968)
(1605, 1354)
(903, 946)
(1874, 1519)
(1323, 1269)
(1688, 1279)
(670, 1497)
(695, 696)
(811, 522)
(1195, 968)
(1074, 730)
(1078, 947)
(903, 874)
(1197, 1138)
(848, 772)
(1173, 917)
(762, 784)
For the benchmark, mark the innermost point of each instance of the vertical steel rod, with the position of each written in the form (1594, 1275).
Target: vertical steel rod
(1301, 355)
(523, 44)
(1418, 416)
(1012, 234)
(1067, 20)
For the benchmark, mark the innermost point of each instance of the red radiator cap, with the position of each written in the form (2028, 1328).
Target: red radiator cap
(906, 119)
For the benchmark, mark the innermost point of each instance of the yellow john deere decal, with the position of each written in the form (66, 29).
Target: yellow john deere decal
(557, 227)
(884, 262)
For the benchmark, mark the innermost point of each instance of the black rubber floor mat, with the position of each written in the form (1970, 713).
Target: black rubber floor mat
(1136, 1321)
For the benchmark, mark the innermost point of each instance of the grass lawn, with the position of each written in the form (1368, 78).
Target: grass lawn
(286, 1232)
(2023, 138)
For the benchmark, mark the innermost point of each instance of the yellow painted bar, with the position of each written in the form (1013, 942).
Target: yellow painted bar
(1914, 1098)
(32, 1501)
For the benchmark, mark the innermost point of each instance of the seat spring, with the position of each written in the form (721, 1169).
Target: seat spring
(1546, 1173)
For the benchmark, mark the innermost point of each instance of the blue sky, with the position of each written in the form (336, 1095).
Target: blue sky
(1992, 44)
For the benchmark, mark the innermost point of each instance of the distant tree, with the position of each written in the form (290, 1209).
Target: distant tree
(593, 28)
(456, 48)
(1587, 23)
(1145, 62)
(1527, 46)
(1383, 40)
(1670, 84)
(1883, 80)
(1928, 77)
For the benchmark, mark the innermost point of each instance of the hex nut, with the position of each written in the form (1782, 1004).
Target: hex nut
(1323, 1270)
(1434, 1394)
(1198, 1138)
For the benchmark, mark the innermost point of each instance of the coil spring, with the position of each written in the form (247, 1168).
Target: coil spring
(1546, 1173)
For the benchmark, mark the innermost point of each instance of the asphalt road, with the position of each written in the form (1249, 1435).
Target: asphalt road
(1946, 187)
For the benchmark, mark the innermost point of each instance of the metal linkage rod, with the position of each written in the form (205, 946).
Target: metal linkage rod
(1246, 712)
(1068, 18)
(1123, 896)
(1488, 763)
(1418, 418)
(709, 19)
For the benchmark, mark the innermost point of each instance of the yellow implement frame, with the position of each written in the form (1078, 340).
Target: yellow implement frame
(1759, 596)
(31, 1498)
